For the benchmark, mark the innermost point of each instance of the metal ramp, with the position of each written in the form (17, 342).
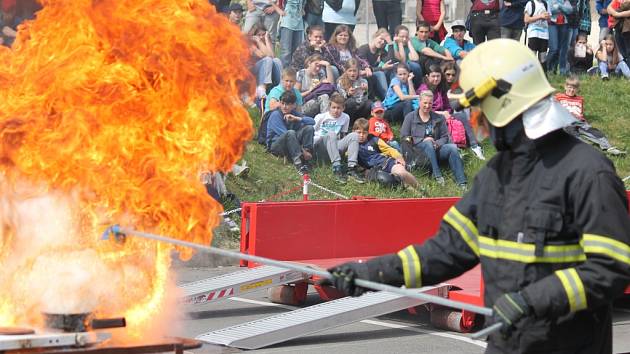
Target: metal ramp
(237, 283)
(283, 327)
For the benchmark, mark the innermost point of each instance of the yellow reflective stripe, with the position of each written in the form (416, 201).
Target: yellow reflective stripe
(465, 227)
(525, 252)
(608, 246)
(412, 269)
(574, 288)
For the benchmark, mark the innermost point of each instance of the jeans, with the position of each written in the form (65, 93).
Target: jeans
(312, 19)
(336, 147)
(446, 152)
(289, 41)
(378, 84)
(388, 14)
(559, 36)
(269, 21)
(463, 117)
(512, 33)
(291, 142)
(268, 71)
(622, 68)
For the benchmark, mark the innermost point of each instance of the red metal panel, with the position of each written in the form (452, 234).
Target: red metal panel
(340, 228)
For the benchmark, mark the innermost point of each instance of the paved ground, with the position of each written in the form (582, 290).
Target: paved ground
(396, 333)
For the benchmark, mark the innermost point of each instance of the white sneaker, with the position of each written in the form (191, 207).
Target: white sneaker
(605, 76)
(478, 152)
(232, 225)
(614, 151)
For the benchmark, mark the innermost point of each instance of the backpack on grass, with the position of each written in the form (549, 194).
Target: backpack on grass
(456, 131)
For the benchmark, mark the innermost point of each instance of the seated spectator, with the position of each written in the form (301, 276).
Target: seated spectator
(235, 14)
(580, 55)
(434, 83)
(374, 53)
(581, 129)
(379, 127)
(451, 77)
(316, 85)
(355, 90)
(401, 51)
(333, 141)
(430, 51)
(427, 131)
(400, 98)
(374, 153)
(265, 12)
(312, 45)
(267, 68)
(9, 21)
(287, 84)
(290, 134)
(456, 44)
(342, 47)
(291, 29)
(610, 60)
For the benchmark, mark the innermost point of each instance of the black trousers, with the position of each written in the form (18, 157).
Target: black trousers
(388, 14)
(484, 27)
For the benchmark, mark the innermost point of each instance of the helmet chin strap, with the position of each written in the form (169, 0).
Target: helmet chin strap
(507, 137)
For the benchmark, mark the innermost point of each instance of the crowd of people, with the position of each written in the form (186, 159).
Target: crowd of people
(324, 83)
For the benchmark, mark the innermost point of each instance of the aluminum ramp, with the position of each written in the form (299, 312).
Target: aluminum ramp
(237, 283)
(283, 327)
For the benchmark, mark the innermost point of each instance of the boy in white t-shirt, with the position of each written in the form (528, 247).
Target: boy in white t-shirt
(331, 135)
(536, 17)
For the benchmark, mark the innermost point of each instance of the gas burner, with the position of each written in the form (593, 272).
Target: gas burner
(80, 322)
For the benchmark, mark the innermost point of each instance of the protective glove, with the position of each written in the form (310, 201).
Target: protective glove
(343, 277)
(509, 309)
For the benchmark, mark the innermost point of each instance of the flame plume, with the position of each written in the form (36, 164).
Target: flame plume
(109, 111)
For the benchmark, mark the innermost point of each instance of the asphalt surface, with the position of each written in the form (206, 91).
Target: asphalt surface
(395, 333)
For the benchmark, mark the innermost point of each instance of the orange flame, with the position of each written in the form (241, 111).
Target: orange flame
(109, 111)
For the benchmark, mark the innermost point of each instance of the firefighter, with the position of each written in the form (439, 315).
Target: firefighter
(546, 218)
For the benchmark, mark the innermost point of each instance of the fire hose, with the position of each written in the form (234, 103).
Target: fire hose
(120, 232)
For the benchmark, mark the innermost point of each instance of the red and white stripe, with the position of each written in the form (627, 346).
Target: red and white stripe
(214, 295)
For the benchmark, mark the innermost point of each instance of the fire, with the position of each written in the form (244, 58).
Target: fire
(109, 111)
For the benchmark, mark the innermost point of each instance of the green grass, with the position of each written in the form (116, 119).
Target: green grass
(605, 104)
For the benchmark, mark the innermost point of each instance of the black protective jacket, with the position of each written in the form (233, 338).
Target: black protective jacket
(549, 219)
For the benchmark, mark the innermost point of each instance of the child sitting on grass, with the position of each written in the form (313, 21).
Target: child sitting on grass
(331, 136)
(379, 127)
(375, 153)
(581, 129)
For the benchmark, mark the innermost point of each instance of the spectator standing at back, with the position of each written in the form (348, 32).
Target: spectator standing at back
(602, 9)
(8, 22)
(343, 14)
(580, 20)
(456, 44)
(484, 20)
(313, 13)
(312, 45)
(432, 12)
(559, 35)
(289, 134)
(388, 14)
(537, 33)
(291, 30)
(511, 19)
(221, 5)
(266, 12)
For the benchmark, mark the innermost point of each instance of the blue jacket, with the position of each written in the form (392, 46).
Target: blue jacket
(512, 16)
(277, 125)
(451, 44)
(599, 6)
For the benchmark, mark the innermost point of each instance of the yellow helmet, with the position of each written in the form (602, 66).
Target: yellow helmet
(505, 78)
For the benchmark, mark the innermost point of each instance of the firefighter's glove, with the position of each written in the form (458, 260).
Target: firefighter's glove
(343, 277)
(509, 309)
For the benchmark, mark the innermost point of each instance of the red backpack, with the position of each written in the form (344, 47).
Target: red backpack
(456, 131)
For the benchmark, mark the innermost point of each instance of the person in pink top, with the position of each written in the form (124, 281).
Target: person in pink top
(433, 12)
